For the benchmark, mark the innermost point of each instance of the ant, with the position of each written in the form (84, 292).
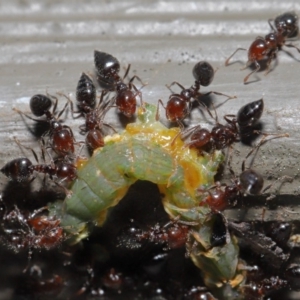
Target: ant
(180, 105)
(249, 182)
(222, 136)
(21, 169)
(22, 230)
(268, 46)
(61, 136)
(175, 233)
(86, 98)
(107, 68)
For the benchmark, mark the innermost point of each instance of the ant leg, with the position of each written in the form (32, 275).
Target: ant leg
(272, 27)
(62, 111)
(33, 119)
(181, 126)
(157, 109)
(220, 94)
(138, 78)
(127, 71)
(72, 106)
(139, 93)
(292, 46)
(272, 56)
(28, 148)
(257, 65)
(173, 83)
(228, 59)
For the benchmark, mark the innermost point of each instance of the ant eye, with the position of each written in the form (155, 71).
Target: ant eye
(204, 73)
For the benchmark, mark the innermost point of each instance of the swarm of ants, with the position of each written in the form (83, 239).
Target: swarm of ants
(137, 254)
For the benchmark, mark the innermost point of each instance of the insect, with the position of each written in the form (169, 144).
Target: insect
(179, 105)
(144, 151)
(61, 138)
(107, 69)
(266, 48)
(222, 136)
(31, 231)
(249, 182)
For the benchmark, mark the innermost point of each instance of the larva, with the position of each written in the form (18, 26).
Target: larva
(147, 150)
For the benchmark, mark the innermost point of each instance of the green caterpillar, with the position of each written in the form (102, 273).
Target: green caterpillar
(147, 150)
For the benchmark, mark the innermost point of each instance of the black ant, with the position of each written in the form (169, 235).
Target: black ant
(268, 46)
(179, 105)
(107, 68)
(222, 136)
(61, 136)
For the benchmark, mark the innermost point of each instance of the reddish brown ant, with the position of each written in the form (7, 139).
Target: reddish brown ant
(268, 46)
(61, 138)
(107, 68)
(22, 170)
(174, 233)
(30, 231)
(249, 182)
(179, 105)
(222, 136)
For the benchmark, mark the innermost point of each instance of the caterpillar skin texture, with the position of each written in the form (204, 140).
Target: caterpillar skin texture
(146, 150)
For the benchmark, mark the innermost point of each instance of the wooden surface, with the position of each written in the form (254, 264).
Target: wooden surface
(45, 45)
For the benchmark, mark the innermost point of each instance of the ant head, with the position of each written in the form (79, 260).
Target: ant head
(86, 91)
(39, 104)
(107, 66)
(204, 73)
(249, 114)
(287, 24)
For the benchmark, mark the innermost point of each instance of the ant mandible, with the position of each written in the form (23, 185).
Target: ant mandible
(268, 46)
(108, 68)
(61, 138)
(179, 105)
(222, 136)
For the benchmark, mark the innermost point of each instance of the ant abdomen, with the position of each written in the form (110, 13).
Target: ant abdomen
(18, 169)
(288, 24)
(40, 104)
(251, 182)
(204, 73)
(85, 92)
(249, 114)
(107, 67)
